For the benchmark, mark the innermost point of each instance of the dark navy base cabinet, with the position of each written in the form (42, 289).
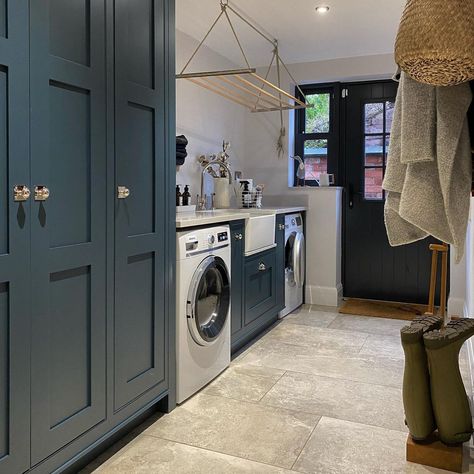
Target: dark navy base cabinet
(257, 285)
(86, 279)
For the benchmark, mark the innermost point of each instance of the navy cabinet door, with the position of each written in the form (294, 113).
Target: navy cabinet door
(260, 284)
(14, 238)
(280, 261)
(237, 231)
(68, 124)
(139, 317)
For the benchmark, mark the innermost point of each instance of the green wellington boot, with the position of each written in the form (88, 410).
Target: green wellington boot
(448, 395)
(419, 415)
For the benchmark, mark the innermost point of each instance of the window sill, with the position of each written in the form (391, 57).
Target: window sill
(316, 188)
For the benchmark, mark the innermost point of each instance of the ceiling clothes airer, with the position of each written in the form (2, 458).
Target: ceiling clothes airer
(244, 86)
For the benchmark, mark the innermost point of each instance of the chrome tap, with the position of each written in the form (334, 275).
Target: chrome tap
(216, 162)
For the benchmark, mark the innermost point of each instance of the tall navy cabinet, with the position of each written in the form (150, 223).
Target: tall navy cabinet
(14, 239)
(86, 261)
(140, 235)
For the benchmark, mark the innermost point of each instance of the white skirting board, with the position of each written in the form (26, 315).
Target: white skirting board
(323, 295)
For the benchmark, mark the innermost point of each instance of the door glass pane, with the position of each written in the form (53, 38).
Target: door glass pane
(315, 158)
(212, 301)
(208, 297)
(389, 109)
(373, 183)
(373, 118)
(387, 146)
(317, 117)
(374, 150)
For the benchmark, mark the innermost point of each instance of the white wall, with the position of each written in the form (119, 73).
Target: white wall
(324, 229)
(204, 117)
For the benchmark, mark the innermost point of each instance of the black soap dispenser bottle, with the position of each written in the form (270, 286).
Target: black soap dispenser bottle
(179, 197)
(186, 196)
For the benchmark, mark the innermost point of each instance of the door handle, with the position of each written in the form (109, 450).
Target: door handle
(123, 192)
(351, 196)
(41, 193)
(262, 267)
(21, 193)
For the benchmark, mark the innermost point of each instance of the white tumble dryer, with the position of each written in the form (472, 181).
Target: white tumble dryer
(295, 259)
(202, 307)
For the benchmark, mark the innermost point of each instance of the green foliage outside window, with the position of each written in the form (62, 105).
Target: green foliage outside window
(317, 117)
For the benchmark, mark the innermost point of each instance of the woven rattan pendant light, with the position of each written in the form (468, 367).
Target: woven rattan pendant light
(435, 41)
(244, 86)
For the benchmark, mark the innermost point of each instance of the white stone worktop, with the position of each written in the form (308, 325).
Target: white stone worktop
(193, 219)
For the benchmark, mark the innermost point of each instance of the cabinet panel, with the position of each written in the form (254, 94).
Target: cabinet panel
(70, 323)
(4, 194)
(141, 42)
(70, 30)
(3, 18)
(140, 319)
(68, 123)
(137, 336)
(4, 368)
(14, 239)
(260, 284)
(138, 166)
(70, 164)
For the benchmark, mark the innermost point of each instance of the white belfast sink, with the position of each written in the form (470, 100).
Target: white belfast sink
(259, 227)
(259, 232)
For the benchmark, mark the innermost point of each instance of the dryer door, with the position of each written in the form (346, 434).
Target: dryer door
(209, 301)
(290, 259)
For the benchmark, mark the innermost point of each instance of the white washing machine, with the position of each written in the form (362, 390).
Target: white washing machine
(203, 307)
(295, 259)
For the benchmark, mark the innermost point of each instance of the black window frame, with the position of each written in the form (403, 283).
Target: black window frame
(300, 135)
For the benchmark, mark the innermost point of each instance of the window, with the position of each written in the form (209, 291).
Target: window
(316, 134)
(377, 124)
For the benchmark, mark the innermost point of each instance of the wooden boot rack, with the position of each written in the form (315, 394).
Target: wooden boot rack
(435, 249)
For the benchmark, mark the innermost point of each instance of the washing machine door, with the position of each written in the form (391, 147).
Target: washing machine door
(295, 259)
(208, 301)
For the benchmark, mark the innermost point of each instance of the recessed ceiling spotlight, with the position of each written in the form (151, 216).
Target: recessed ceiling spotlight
(322, 9)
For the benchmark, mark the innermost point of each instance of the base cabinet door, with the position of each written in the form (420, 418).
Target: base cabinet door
(260, 284)
(14, 239)
(237, 232)
(139, 316)
(68, 170)
(280, 261)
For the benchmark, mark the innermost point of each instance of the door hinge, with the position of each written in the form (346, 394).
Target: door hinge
(344, 93)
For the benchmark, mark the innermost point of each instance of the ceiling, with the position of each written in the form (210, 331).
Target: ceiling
(350, 28)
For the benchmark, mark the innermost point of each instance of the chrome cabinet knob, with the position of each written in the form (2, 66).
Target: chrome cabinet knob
(238, 236)
(21, 193)
(123, 192)
(281, 226)
(41, 193)
(262, 267)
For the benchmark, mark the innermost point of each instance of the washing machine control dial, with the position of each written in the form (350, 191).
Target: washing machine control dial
(211, 239)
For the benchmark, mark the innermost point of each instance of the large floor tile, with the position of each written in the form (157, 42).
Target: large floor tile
(327, 341)
(353, 401)
(245, 382)
(383, 346)
(383, 326)
(341, 447)
(148, 454)
(307, 317)
(378, 370)
(264, 434)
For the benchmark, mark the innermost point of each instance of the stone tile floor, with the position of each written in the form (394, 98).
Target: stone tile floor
(320, 392)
